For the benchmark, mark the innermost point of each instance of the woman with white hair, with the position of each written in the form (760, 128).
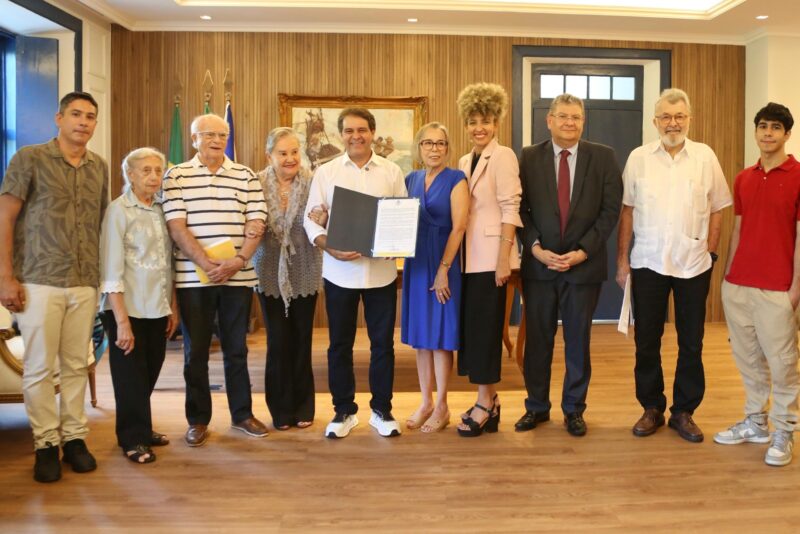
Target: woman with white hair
(289, 270)
(138, 299)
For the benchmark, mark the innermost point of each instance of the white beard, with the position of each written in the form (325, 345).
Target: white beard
(670, 143)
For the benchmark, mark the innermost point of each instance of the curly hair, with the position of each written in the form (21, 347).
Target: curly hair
(488, 99)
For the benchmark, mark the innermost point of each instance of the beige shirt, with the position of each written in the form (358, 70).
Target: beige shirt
(57, 234)
(673, 200)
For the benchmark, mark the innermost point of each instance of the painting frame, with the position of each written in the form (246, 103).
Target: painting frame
(314, 117)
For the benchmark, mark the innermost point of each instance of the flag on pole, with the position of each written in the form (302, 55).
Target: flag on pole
(230, 148)
(175, 155)
(206, 108)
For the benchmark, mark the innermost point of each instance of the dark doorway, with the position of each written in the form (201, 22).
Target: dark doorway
(612, 96)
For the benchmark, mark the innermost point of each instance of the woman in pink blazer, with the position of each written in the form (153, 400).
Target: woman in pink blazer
(490, 250)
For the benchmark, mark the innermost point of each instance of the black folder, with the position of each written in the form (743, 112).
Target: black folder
(352, 223)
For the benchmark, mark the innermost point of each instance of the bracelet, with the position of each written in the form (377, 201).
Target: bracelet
(506, 239)
(241, 258)
(446, 264)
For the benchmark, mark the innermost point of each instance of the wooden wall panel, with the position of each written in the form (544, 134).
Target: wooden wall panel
(145, 66)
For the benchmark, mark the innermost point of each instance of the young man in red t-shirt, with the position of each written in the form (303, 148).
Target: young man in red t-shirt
(762, 289)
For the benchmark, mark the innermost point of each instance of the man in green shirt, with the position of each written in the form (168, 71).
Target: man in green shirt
(52, 201)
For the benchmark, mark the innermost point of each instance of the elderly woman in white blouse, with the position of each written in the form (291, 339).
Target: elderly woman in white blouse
(138, 299)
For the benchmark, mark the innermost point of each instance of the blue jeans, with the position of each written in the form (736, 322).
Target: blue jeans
(199, 306)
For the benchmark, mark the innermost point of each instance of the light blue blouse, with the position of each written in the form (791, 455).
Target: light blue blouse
(136, 257)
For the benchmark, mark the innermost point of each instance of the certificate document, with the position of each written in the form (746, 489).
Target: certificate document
(626, 313)
(396, 228)
(375, 227)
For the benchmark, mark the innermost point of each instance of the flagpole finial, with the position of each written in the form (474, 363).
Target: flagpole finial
(208, 85)
(227, 83)
(178, 89)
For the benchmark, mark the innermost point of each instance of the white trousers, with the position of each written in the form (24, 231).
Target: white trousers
(56, 328)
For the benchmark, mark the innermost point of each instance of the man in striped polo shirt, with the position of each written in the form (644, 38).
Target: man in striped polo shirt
(207, 200)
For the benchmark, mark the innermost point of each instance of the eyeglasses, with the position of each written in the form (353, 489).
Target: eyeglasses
(427, 144)
(563, 117)
(666, 118)
(214, 135)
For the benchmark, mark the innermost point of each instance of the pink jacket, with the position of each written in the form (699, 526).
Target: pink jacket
(495, 192)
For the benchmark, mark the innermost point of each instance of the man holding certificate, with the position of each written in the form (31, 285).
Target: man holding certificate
(209, 203)
(349, 277)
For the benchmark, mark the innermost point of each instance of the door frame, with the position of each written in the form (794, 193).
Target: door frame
(657, 75)
(68, 22)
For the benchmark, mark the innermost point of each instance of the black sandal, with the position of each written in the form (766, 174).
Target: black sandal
(488, 425)
(158, 440)
(141, 454)
(466, 414)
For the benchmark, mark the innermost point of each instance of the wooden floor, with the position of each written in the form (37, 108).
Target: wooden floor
(544, 480)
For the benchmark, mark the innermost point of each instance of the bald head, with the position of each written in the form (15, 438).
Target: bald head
(209, 122)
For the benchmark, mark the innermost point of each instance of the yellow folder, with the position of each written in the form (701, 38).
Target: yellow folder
(218, 250)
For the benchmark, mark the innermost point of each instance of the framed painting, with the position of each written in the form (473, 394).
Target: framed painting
(314, 118)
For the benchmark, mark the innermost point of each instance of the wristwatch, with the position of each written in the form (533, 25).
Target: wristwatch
(714, 257)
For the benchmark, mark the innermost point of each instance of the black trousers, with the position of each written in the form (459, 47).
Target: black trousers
(483, 311)
(134, 376)
(544, 300)
(650, 292)
(380, 310)
(199, 306)
(289, 378)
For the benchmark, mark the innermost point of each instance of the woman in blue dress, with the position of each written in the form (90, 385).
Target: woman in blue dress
(432, 278)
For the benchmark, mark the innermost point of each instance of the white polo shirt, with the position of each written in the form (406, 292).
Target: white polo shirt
(672, 201)
(379, 178)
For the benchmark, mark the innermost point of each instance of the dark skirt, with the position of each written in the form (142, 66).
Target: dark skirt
(483, 309)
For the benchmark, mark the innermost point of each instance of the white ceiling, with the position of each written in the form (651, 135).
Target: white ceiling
(732, 21)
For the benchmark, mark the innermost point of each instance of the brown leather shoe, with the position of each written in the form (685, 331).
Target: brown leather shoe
(196, 435)
(683, 424)
(648, 423)
(252, 427)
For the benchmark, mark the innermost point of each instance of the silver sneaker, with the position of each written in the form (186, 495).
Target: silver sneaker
(341, 425)
(749, 430)
(780, 451)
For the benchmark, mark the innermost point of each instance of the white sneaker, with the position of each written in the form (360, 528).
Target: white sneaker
(749, 430)
(341, 425)
(384, 424)
(780, 451)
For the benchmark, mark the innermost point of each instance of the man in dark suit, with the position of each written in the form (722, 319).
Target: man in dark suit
(571, 199)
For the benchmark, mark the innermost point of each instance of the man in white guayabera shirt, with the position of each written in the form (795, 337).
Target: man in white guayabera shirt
(672, 206)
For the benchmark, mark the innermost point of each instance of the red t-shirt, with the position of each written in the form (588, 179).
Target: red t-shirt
(769, 204)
